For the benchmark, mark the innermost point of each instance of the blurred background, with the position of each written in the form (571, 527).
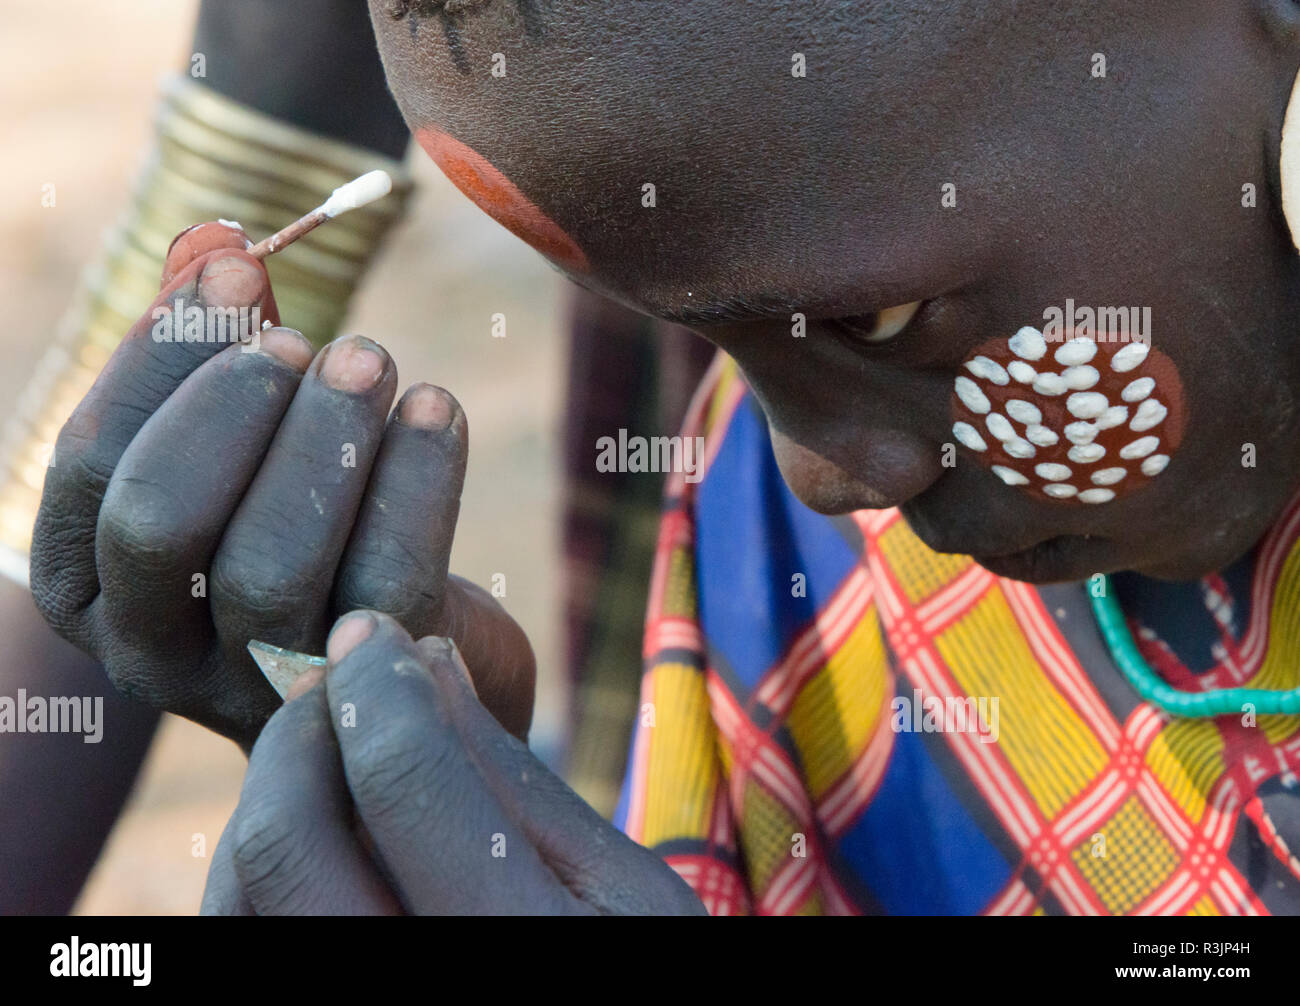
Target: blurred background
(78, 85)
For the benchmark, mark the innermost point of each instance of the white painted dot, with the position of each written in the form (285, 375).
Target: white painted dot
(1076, 351)
(1041, 436)
(1050, 384)
(1028, 344)
(1139, 389)
(1096, 496)
(1087, 404)
(1109, 476)
(1025, 413)
(1150, 413)
(1112, 417)
(969, 437)
(1052, 472)
(1129, 357)
(1155, 464)
(971, 396)
(1000, 426)
(1086, 454)
(1139, 448)
(988, 369)
(1080, 378)
(1009, 475)
(1081, 433)
(1060, 490)
(1022, 371)
(1020, 448)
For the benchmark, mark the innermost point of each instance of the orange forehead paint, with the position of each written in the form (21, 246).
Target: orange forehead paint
(500, 198)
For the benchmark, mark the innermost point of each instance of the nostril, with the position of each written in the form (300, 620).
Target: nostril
(886, 470)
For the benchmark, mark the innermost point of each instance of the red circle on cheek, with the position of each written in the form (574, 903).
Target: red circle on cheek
(1045, 438)
(500, 198)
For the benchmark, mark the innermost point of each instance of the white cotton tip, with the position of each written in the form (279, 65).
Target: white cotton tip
(357, 193)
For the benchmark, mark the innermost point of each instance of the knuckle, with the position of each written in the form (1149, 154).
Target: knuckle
(395, 767)
(265, 844)
(143, 522)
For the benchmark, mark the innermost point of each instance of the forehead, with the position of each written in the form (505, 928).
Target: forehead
(711, 149)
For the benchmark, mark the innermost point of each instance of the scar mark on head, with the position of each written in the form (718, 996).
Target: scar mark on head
(500, 198)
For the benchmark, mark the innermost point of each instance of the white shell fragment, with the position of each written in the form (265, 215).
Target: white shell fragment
(1000, 426)
(1041, 436)
(1081, 433)
(1139, 448)
(1113, 416)
(1009, 475)
(1096, 496)
(1086, 454)
(1052, 472)
(1129, 357)
(1087, 404)
(1028, 344)
(1023, 412)
(989, 370)
(1076, 351)
(1050, 384)
(1060, 490)
(971, 396)
(1018, 448)
(1139, 389)
(969, 437)
(1150, 413)
(1022, 371)
(1109, 476)
(1155, 464)
(1080, 378)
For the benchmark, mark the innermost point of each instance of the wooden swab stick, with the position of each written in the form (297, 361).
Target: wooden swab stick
(356, 193)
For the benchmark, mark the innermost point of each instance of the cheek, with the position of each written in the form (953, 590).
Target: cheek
(500, 198)
(1074, 421)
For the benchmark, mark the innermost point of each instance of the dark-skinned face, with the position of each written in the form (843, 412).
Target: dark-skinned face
(823, 195)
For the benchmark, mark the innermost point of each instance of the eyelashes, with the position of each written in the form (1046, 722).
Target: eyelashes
(877, 328)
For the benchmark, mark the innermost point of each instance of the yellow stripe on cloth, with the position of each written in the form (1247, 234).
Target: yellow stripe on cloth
(683, 774)
(1187, 758)
(1048, 745)
(838, 708)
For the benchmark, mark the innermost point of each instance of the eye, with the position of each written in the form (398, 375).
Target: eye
(878, 327)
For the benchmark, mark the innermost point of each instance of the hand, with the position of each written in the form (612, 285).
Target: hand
(456, 815)
(203, 495)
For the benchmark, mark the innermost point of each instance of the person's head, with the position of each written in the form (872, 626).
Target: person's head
(990, 159)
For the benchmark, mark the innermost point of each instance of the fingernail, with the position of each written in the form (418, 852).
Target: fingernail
(353, 364)
(427, 407)
(305, 683)
(288, 346)
(446, 648)
(231, 282)
(348, 632)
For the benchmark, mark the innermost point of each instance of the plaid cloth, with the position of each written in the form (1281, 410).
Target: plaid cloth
(773, 769)
(626, 371)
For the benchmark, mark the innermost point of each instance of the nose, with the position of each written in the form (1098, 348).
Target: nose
(886, 468)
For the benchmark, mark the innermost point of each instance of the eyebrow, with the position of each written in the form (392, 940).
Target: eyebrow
(713, 310)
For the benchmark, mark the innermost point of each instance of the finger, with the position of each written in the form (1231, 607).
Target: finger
(292, 840)
(274, 569)
(164, 512)
(440, 833)
(222, 894)
(615, 875)
(138, 378)
(396, 560)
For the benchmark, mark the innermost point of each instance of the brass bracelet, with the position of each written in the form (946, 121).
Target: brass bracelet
(212, 158)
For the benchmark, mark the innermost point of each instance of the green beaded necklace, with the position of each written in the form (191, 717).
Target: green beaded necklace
(1145, 681)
